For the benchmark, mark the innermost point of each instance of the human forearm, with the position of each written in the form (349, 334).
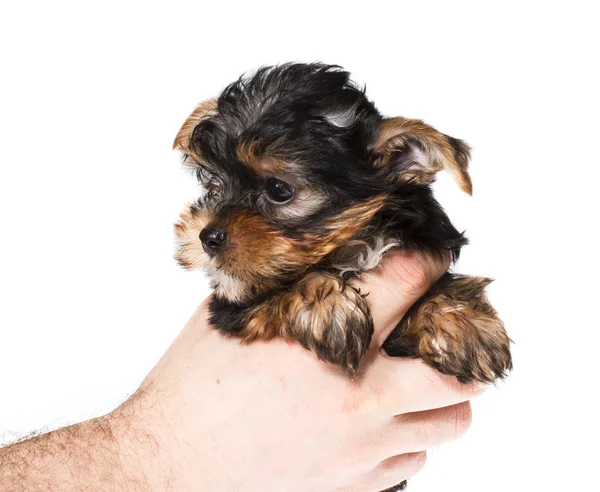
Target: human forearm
(83, 456)
(130, 449)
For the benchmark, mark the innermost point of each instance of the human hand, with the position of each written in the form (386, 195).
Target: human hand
(217, 415)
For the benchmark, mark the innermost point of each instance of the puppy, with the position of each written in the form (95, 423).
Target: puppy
(306, 186)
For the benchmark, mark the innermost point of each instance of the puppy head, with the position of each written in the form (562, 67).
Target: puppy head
(295, 162)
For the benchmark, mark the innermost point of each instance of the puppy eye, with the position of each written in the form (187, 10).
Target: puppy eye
(279, 191)
(212, 190)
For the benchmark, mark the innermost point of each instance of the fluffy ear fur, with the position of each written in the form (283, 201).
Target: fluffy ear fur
(203, 111)
(412, 150)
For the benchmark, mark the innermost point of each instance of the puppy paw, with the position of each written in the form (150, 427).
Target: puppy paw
(331, 318)
(455, 330)
(323, 313)
(471, 346)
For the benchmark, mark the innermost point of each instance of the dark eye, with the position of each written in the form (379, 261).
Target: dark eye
(279, 191)
(212, 190)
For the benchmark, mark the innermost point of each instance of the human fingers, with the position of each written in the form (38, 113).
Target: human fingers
(401, 385)
(418, 431)
(392, 472)
(392, 288)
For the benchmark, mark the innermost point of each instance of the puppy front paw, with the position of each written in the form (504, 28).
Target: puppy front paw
(331, 318)
(323, 313)
(455, 330)
(476, 349)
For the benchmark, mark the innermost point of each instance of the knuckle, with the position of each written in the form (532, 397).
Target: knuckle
(413, 272)
(378, 394)
(361, 403)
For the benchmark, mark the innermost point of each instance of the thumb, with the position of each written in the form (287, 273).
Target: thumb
(396, 284)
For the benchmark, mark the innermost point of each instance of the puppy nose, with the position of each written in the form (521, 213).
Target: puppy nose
(213, 240)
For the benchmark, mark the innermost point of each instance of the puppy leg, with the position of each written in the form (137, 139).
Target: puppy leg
(454, 329)
(321, 311)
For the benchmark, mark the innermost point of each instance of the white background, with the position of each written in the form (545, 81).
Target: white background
(92, 95)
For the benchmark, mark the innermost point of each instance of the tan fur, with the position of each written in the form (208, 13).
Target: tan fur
(257, 250)
(325, 314)
(458, 332)
(346, 225)
(453, 328)
(394, 133)
(189, 253)
(259, 162)
(203, 111)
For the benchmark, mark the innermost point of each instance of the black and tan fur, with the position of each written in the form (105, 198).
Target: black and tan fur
(360, 187)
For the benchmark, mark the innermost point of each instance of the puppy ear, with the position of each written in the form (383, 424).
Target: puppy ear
(203, 111)
(412, 150)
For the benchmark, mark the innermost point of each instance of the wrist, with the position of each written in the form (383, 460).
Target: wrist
(141, 465)
(151, 457)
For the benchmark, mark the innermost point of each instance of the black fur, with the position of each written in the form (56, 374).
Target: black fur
(313, 117)
(286, 109)
(228, 317)
(397, 488)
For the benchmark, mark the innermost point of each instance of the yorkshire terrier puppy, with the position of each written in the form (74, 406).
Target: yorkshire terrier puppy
(306, 186)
